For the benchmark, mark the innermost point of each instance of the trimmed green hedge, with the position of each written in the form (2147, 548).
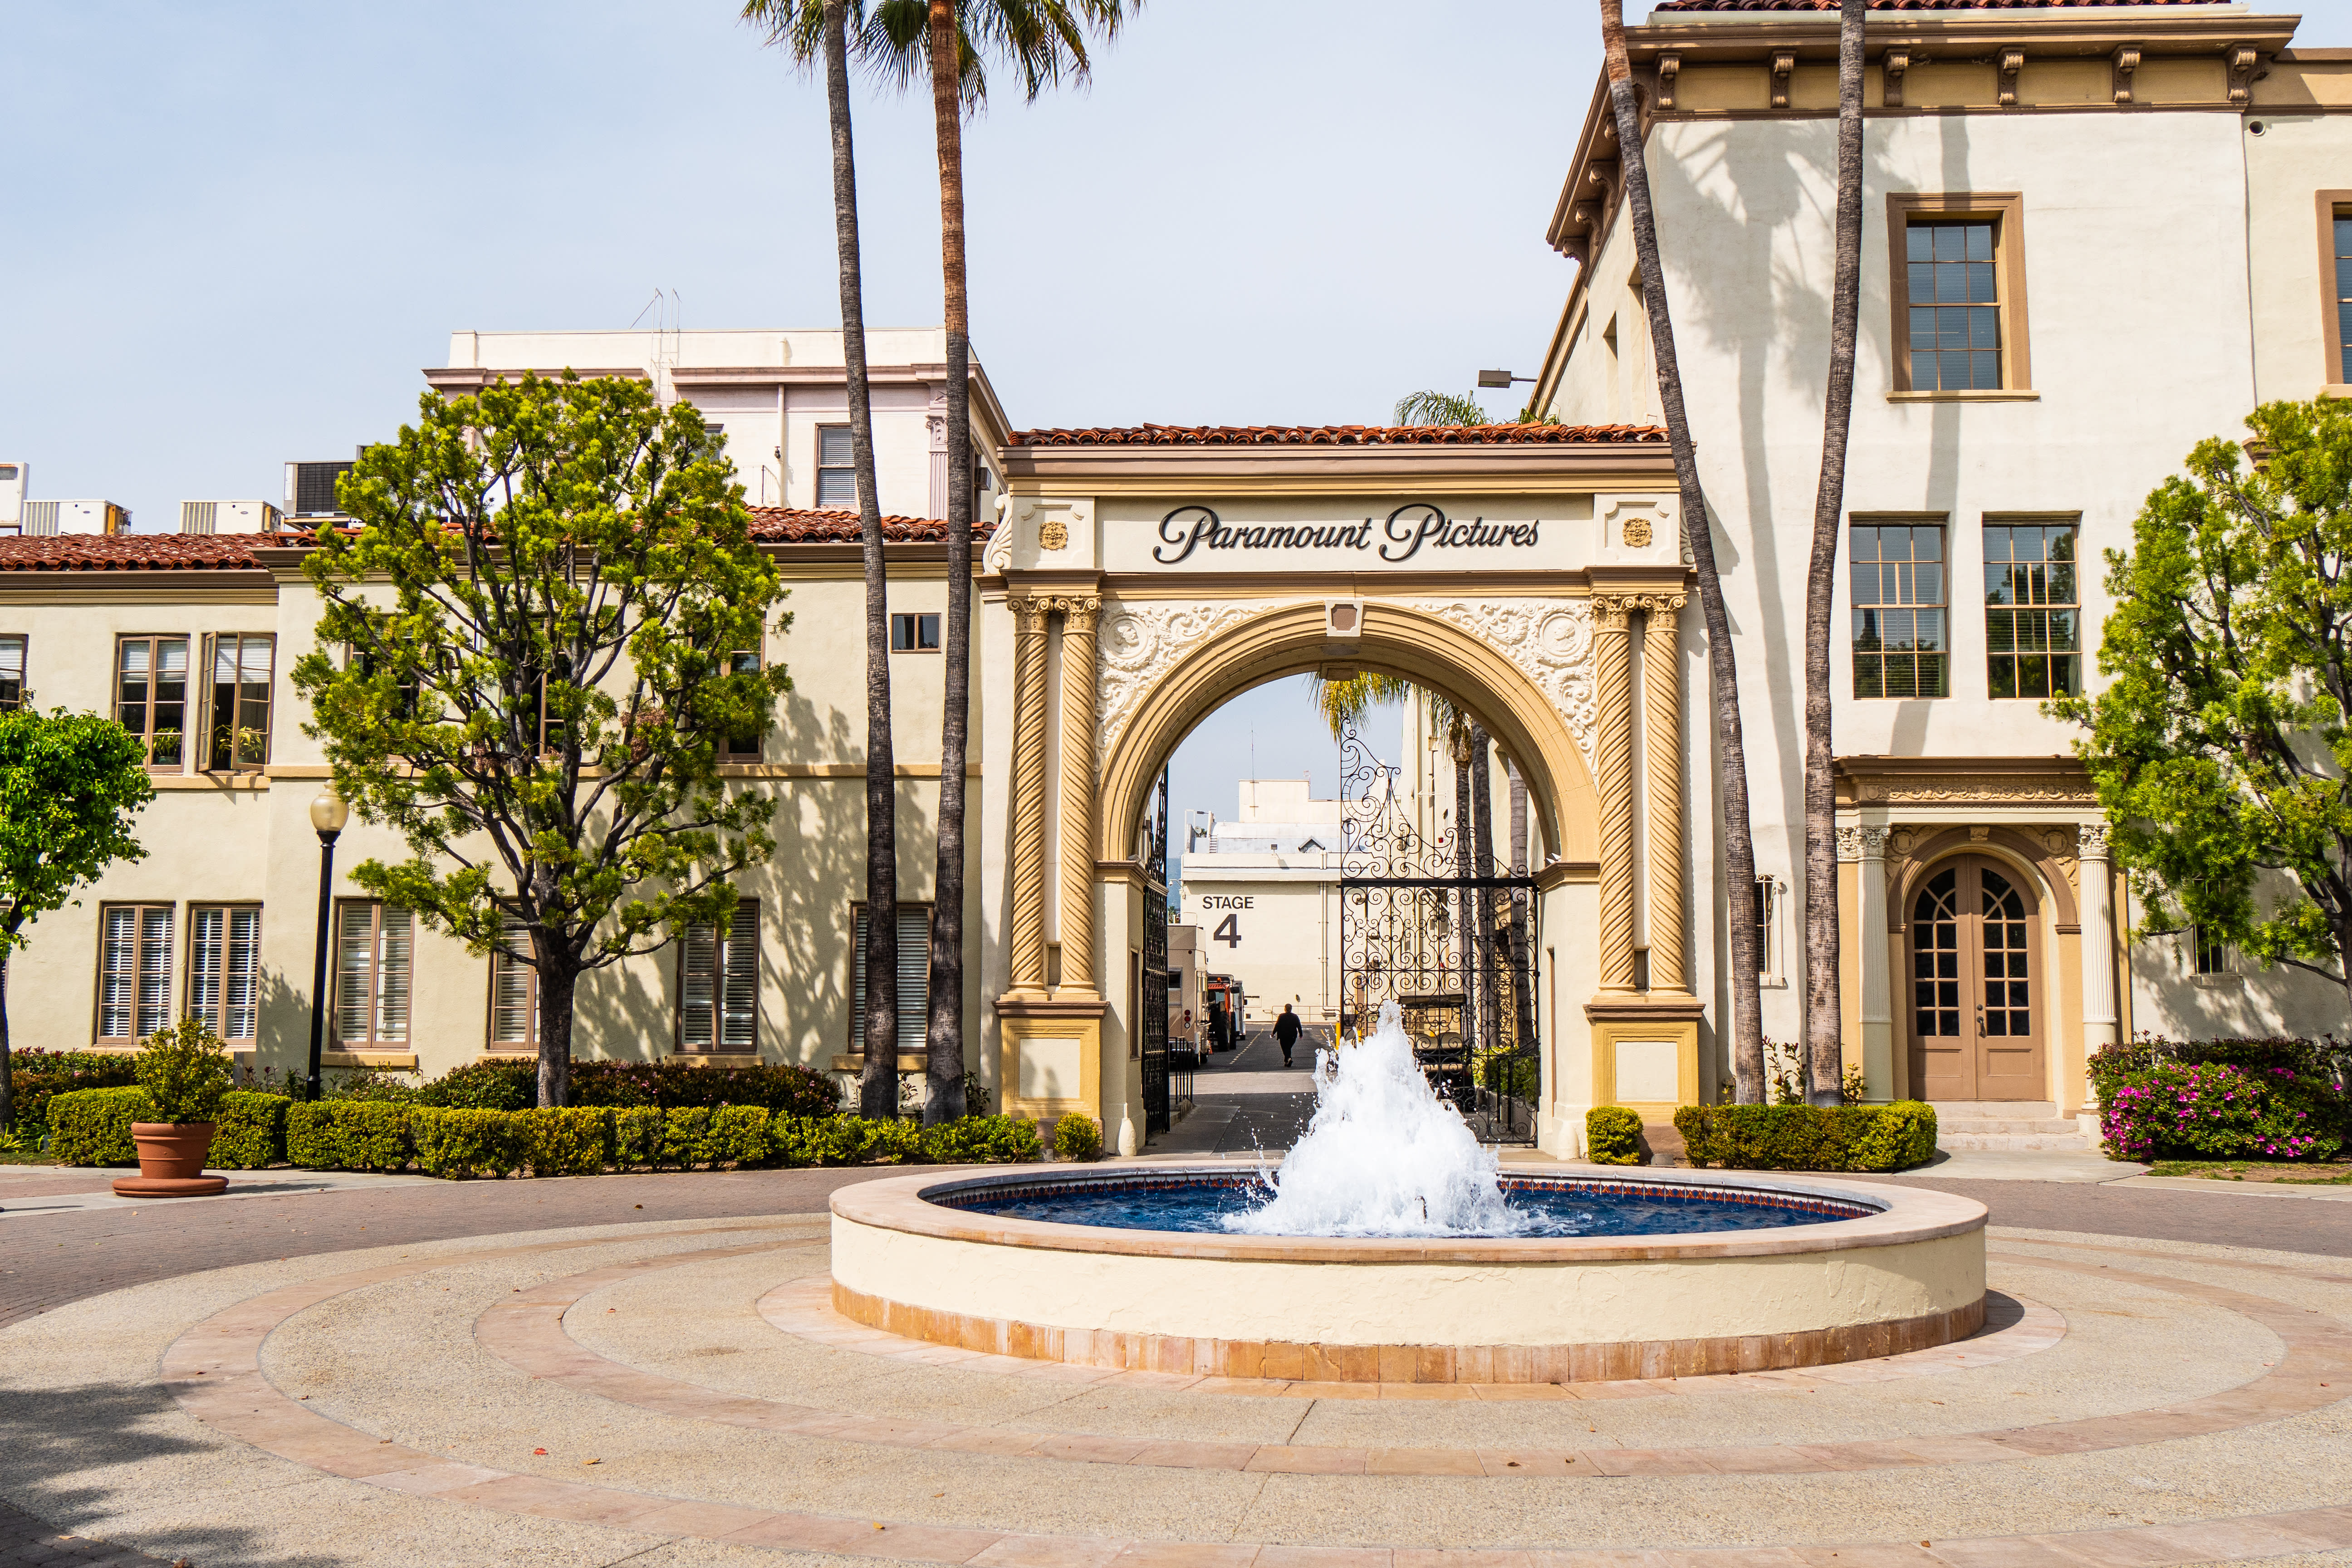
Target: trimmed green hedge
(1612, 1136)
(1809, 1137)
(92, 1127)
(36, 1076)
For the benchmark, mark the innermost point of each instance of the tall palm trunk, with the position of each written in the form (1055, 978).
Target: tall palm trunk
(1482, 816)
(943, 1037)
(1522, 970)
(877, 1082)
(1738, 843)
(1824, 1015)
(1466, 934)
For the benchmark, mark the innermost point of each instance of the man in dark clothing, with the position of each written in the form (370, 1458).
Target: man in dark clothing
(1286, 1032)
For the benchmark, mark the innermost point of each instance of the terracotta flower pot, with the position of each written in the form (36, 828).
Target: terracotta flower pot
(171, 1162)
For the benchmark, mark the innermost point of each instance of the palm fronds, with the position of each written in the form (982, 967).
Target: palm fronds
(1432, 407)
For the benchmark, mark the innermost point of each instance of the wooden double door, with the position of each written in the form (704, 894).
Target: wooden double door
(1980, 995)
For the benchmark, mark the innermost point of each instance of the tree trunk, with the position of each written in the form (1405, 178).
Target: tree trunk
(559, 983)
(1482, 816)
(1824, 1015)
(878, 1082)
(943, 1036)
(1466, 932)
(1738, 843)
(7, 1072)
(1523, 968)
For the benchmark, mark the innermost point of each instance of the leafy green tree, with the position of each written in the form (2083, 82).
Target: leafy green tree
(534, 646)
(69, 785)
(2218, 748)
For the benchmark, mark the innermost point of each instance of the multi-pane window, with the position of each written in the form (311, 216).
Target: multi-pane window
(2033, 636)
(134, 972)
(514, 995)
(719, 985)
(225, 969)
(373, 949)
(914, 976)
(2209, 954)
(2342, 284)
(743, 745)
(1955, 303)
(240, 703)
(11, 673)
(151, 695)
(836, 468)
(914, 634)
(1899, 646)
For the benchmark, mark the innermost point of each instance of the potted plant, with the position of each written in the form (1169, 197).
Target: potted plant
(185, 1072)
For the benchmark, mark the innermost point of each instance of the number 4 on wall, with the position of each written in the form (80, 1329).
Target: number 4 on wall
(1230, 933)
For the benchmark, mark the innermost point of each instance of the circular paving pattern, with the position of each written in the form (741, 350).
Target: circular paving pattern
(683, 1393)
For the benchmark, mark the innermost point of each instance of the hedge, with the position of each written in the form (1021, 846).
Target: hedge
(1809, 1137)
(92, 1127)
(1612, 1136)
(36, 1076)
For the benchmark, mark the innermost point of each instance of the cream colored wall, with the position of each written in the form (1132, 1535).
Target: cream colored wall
(2297, 156)
(1288, 950)
(2127, 218)
(250, 838)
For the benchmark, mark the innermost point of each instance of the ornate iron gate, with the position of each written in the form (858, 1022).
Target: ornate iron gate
(1448, 934)
(1153, 1003)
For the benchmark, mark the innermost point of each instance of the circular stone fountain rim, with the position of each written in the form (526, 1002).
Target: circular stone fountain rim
(1905, 1214)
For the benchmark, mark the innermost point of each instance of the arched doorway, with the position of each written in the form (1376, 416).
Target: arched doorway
(1981, 995)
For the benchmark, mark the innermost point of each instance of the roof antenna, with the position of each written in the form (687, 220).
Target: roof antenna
(650, 304)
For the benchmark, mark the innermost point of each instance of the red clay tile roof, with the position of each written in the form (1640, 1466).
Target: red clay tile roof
(791, 525)
(1910, 4)
(1339, 435)
(135, 551)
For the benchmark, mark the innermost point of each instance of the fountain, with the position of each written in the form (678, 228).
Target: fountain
(1389, 1246)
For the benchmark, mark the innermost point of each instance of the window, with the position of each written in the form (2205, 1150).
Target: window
(719, 985)
(1899, 647)
(404, 688)
(2335, 282)
(1959, 287)
(225, 969)
(836, 468)
(914, 634)
(514, 996)
(914, 976)
(151, 695)
(742, 746)
(134, 972)
(1770, 893)
(2033, 614)
(373, 950)
(240, 703)
(11, 673)
(2209, 954)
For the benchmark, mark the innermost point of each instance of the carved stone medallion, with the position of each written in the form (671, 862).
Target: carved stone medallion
(1138, 644)
(1550, 644)
(1637, 533)
(1053, 535)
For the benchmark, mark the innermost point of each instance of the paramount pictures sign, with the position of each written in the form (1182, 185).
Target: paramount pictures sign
(1419, 535)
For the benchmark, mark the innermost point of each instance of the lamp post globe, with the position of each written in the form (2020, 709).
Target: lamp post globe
(329, 813)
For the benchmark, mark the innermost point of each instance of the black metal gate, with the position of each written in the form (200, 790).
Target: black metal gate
(1433, 922)
(1153, 1003)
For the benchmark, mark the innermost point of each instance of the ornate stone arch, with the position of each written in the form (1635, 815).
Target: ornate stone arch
(1241, 652)
(2055, 888)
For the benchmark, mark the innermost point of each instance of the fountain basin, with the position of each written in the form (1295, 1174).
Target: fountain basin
(1894, 1270)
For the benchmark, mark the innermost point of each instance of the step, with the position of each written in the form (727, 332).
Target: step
(1995, 1126)
(1990, 1141)
(1948, 1110)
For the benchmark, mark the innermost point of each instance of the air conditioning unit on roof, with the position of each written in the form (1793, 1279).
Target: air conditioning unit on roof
(75, 517)
(13, 477)
(310, 488)
(229, 517)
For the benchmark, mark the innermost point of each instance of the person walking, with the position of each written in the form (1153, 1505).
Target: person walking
(1286, 1032)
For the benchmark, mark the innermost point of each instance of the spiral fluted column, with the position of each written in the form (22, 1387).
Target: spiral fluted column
(1614, 745)
(1662, 709)
(1079, 787)
(1028, 972)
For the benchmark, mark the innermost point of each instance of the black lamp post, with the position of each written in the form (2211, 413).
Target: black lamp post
(327, 815)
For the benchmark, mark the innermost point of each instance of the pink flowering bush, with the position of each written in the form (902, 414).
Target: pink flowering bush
(2175, 1109)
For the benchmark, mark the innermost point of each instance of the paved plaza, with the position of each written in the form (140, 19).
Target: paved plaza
(548, 1373)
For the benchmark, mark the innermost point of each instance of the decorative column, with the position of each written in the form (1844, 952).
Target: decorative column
(1615, 746)
(1877, 1005)
(1078, 790)
(2099, 1018)
(1662, 707)
(1028, 972)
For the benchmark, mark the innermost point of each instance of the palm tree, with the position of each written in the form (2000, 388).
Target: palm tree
(812, 30)
(1738, 842)
(1825, 1016)
(1428, 407)
(949, 41)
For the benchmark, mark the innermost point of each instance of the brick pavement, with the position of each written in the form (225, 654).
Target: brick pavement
(2219, 1218)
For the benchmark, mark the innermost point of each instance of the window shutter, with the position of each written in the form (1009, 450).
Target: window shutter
(205, 957)
(514, 1012)
(740, 1004)
(392, 1004)
(241, 976)
(155, 969)
(118, 961)
(857, 983)
(698, 965)
(355, 973)
(914, 977)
